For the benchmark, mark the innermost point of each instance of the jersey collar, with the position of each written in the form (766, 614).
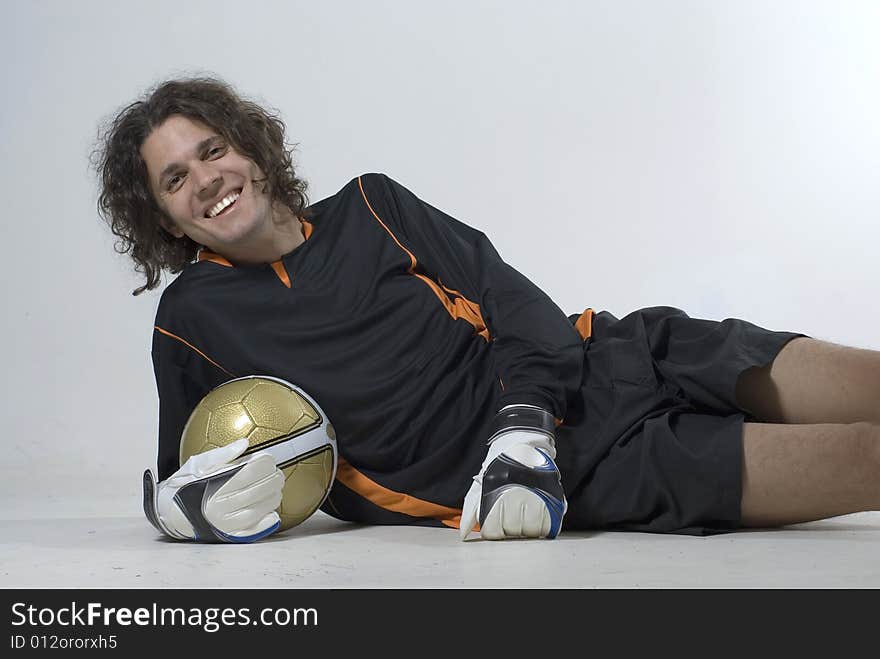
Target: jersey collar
(204, 254)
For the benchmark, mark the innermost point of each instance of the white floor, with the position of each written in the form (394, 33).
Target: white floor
(125, 552)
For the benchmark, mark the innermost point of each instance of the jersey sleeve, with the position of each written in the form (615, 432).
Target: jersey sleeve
(538, 352)
(183, 378)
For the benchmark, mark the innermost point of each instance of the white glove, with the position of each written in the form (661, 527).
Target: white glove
(212, 499)
(518, 492)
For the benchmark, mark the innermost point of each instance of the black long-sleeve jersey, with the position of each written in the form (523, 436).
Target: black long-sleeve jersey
(403, 323)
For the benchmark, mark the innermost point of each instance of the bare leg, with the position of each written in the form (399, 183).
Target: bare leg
(813, 381)
(801, 473)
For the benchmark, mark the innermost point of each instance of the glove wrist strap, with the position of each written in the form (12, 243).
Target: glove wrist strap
(151, 507)
(522, 417)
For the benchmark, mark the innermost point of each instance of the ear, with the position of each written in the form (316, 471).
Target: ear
(168, 225)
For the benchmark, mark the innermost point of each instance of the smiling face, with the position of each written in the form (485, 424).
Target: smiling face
(213, 194)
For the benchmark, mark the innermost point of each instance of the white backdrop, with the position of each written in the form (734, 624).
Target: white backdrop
(721, 157)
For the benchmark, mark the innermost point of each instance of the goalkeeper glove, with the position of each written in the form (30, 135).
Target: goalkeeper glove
(211, 499)
(518, 492)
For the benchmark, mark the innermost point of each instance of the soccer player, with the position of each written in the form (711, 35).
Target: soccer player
(462, 396)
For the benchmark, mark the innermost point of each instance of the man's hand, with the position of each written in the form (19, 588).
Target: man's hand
(212, 499)
(518, 492)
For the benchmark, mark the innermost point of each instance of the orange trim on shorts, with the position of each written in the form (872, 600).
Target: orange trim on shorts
(460, 307)
(192, 347)
(395, 501)
(584, 324)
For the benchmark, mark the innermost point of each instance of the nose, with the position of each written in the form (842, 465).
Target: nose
(205, 177)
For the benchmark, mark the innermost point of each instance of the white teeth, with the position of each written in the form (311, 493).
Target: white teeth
(223, 203)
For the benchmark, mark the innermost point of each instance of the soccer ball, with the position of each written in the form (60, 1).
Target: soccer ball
(279, 418)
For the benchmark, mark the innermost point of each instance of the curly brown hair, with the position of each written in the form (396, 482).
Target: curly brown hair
(125, 201)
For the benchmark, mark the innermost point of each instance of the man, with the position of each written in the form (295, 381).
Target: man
(462, 396)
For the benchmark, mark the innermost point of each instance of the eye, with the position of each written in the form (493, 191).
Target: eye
(174, 182)
(216, 151)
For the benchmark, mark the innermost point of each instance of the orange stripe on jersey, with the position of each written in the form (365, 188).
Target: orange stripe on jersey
(412, 265)
(584, 324)
(394, 501)
(460, 307)
(468, 310)
(281, 271)
(192, 347)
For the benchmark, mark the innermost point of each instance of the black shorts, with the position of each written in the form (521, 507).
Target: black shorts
(654, 440)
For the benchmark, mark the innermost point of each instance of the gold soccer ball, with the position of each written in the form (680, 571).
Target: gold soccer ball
(279, 418)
